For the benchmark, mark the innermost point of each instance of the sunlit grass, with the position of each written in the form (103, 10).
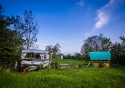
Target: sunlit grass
(66, 78)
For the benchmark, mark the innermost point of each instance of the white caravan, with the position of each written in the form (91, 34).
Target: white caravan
(34, 58)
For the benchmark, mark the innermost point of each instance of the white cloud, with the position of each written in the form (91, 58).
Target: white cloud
(103, 15)
(80, 3)
(57, 40)
(102, 19)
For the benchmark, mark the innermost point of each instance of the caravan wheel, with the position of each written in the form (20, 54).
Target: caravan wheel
(96, 65)
(106, 65)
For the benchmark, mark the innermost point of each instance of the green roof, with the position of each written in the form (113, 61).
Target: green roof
(100, 55)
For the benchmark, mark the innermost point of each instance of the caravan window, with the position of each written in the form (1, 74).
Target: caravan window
(32, 56)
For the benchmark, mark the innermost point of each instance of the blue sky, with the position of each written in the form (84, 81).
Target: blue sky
(70, 22)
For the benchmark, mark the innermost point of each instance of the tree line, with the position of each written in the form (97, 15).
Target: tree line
(101, 43)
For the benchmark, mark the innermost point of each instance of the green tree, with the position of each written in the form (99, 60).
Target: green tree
(28, 28)
(68, 56)
(77, 56)
(10, 44)
(95, 43)
(10, 41)
(52, 50)
(118, 52)
(123, 39)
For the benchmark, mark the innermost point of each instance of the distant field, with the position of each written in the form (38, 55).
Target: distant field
(113, 77)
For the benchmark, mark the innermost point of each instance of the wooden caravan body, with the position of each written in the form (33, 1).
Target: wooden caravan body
(100, 59)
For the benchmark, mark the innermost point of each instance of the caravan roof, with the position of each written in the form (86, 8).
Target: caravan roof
(34, 51)
(100, 55)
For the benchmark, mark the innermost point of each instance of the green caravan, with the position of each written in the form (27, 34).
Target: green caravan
(100, 59)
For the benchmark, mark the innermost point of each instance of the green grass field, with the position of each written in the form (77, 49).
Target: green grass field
(113, 77)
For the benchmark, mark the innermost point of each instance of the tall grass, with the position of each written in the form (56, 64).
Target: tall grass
(66, 78)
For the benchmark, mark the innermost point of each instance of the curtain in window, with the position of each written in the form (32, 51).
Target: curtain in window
(42, 56)
(23, 55)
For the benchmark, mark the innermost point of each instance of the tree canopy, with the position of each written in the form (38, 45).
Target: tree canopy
(118, 52)
(96, 43)
(10, 41)
(28, 28)
(52, 50)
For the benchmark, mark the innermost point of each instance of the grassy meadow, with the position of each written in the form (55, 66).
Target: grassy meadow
(113, 77)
